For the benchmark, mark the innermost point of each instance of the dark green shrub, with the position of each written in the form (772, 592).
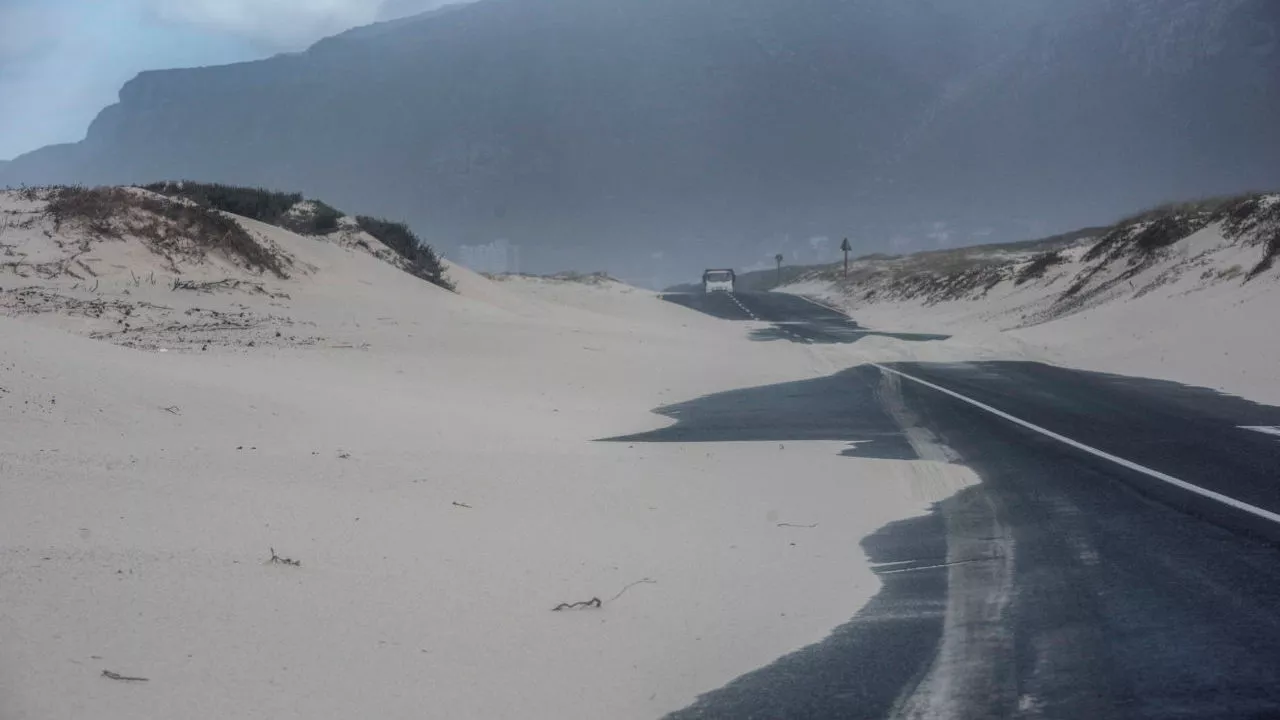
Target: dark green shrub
(257, 203)
(423, 260)
(268, 206)
(1165, 232)
(324, 220)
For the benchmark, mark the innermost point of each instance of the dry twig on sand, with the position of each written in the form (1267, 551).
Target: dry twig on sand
(277, 560)
(596, 602)
(124, 678)
(215, 285)
(642, 581)
(592, 603)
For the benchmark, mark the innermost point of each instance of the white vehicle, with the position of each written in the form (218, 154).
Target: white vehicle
(718, 281)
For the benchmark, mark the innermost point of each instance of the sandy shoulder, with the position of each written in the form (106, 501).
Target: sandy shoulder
(435, 471)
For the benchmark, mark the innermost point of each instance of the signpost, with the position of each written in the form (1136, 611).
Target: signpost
(778, 259)
(845, 247)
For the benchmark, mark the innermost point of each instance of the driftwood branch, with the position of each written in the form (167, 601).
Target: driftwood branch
(277, 560)
(793, 525)
(224, 284)
(592, 603)
(123, 678)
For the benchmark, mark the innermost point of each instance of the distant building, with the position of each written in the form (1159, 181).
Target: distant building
(497, 257)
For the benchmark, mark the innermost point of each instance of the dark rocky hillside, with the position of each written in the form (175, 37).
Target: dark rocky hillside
(651, 136)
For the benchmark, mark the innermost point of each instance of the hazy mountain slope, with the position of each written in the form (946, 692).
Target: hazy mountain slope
(1123, 102)
(652, 135)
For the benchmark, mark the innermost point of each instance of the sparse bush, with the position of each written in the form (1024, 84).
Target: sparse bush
(1166, 231)
(324, 219)
(93, 208)
(1188, 208)
(1234, 271)
(28, 194)
(109, 212)
(423, 260)
(1271, 250)
(1038, 266)
(1249, 215)
(596, 278)
(1239, 217)
(1259, 217)
(1158, 227)
(1164, 225)
(308, 217)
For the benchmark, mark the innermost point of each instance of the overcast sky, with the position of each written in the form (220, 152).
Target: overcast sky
(61, 61)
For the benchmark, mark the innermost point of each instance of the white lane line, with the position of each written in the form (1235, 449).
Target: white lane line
(742, 307)
(1268, 429)
(1203, 492)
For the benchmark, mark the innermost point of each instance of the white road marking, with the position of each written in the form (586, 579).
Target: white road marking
(1268, 429)
(1196, 489)
(742, 307)
(752, 315)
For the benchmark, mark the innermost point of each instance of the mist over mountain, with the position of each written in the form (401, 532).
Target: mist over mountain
(651, 138)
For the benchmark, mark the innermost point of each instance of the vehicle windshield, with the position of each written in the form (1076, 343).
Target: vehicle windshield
(639, 359)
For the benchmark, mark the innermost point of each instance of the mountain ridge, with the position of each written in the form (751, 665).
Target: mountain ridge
(658, 135)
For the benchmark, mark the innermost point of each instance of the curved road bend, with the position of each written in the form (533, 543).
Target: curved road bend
(1120, 558)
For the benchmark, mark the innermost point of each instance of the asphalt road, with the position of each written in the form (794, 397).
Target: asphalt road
(791, 318)
(1119, 559)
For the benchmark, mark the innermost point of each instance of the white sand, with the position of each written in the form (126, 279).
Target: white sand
(142, 489)
(1189, 318)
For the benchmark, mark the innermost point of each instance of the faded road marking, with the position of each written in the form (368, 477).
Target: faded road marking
(742, 307)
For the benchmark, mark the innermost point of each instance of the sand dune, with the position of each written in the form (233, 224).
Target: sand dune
(429, 459)
(1188, 311)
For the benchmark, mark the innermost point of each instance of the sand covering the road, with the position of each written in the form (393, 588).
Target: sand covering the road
(1190, 318)
(429, 459)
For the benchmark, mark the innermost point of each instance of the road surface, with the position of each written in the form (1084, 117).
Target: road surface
(1119, 558)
